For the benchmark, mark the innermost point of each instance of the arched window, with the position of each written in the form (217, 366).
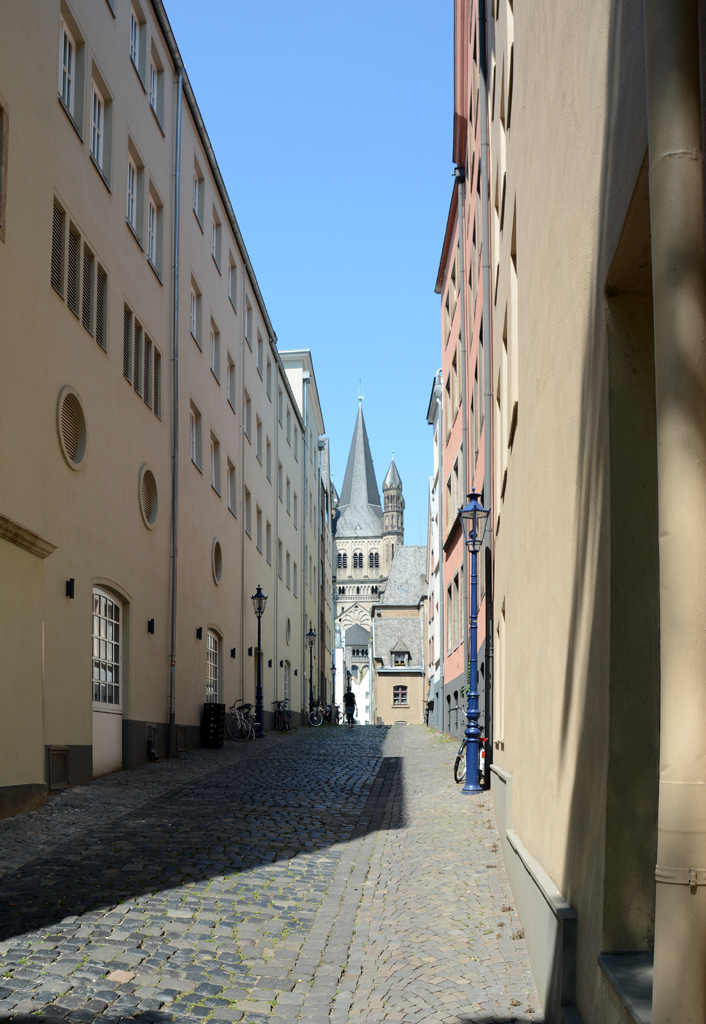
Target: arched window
(212, 668)
(286, 677)
(374, 560)
(345, 561)
(340, 560)
(107, 615)
(358, 560)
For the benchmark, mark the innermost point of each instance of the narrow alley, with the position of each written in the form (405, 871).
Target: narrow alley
(321, 875)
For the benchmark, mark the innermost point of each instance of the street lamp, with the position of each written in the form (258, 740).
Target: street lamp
(473, 519)
(310, 639)
(258, 602)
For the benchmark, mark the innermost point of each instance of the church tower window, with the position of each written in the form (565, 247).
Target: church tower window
(374, 560)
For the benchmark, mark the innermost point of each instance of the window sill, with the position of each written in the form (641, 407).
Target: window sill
(197, 466)
(139, 76)
(159, 123)
(70, 117)
(247, 342)
(134, 234)
(248, 533)
(247, 437)
(232, 512)
(100, 172)
(231, 405)
(215, 377)
(110, 5)
(215, 490)
(230, 299)
(198, 220)
(155, 271)
(217, 264)
(196, 341)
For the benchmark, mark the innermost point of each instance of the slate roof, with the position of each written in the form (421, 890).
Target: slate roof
(357, 636)
(393, 479)
(406, 582)
(399, 635)
(359, 508)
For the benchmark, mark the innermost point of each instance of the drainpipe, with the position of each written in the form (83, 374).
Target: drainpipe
(488, 376)
(440, 524)
(171, 727)
(460, 175)
(305, 502)
(676, 168)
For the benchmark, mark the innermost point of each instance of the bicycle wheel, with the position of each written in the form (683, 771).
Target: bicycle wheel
(315, 717)
(460, 764)
(279, 720)
(287, 721)
(233, 727)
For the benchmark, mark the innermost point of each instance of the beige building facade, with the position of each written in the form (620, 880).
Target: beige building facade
(152, 445)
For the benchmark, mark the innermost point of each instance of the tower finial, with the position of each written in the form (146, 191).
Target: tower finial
(360, 391)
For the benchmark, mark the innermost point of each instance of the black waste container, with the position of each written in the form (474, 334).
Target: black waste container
(213, 726)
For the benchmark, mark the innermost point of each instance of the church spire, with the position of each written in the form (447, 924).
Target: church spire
(359, 502)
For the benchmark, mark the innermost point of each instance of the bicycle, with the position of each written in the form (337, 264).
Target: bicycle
(283, 716)
(460, 762)
(316, 715)
(241, 724)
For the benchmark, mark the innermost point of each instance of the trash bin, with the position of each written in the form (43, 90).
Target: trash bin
(213, 726)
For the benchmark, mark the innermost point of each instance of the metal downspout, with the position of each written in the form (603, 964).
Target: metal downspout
(440, 524)
(171, 727)
(461, 180)
(677, 222)
(305, 502)
(488, 374)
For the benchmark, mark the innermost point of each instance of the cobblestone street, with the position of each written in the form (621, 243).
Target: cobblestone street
(323, 875)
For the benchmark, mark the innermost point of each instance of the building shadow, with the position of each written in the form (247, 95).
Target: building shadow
(286, 801)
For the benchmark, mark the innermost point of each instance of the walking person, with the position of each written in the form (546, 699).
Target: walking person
(349, 705)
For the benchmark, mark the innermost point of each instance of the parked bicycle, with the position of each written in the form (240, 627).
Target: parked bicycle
(333, 714)
(241, 724)
(283, 716)
(460, 762)
(316, 715)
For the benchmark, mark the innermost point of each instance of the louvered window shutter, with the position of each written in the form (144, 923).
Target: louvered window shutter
(72, 281)
(101, 293)
(147, 372)
(136, 353)
(57, 250)
(127, 331)
(157, 384)
(87, 296)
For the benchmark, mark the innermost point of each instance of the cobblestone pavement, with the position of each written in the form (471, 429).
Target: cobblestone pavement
(320, 876)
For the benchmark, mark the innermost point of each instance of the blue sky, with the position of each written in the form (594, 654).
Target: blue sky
(332, 125)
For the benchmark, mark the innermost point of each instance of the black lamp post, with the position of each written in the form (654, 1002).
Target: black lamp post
(258, 602)
(473, 519)
(311, 639)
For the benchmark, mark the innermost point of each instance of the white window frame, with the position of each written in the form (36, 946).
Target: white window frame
(67, 68)
(154, 85)
(192, 314)
(106, 662)
(97, 125)
(231, 487)
(134, 40)
(230, 382)
(131, 211)
(152, 231)
(212, 652)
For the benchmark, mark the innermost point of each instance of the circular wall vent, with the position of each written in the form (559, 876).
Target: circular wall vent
(71, 426)
(217, 561)
(147, 492)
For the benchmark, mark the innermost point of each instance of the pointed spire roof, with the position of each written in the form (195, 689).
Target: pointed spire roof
(392, 481)
(359, 502)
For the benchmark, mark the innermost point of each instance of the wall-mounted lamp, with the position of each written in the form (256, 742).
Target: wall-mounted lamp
(295, 672)
(281, 664)
(232, 652)
(70, 588)
(199, 632)
(150, 625)
(249, 652)
(269, 663)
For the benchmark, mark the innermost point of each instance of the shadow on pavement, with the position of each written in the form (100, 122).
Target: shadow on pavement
(287, 800)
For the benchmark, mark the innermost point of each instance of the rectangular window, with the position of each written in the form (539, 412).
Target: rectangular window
(153, 86)
(258, 439)
(294, 580)
(279, 481)
(296, 443)
(107, 646)
(232, 281)
(258, 529)
(195, 314)
(230, 381)
(216, 240)
(268, 543)
(147, 373)
(127, 340)
(279, 558)
(135, 40)
(67, 68)
(131, 211)
(248, 323)
(198, 194)
(215, 464)
(101, 307)
(157, 385)
(137, 358)
(212, 669)
(73, 283)
(289, 425)
(288, 577)
(295, 509)
(269, 378)
(288, 492)
(399, 696)
(157, 85)
(57, 249)
(279, 405)
(195, 435)
(449, 620)
(248, 524)
(455, 613)
(247, 416)
(151, 231)
(268, 459)
(97, 127)
(260, 348)
(215, 351)
(87, 290)
(231, 487)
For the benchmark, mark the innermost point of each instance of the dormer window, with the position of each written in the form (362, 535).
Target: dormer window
(399, 658)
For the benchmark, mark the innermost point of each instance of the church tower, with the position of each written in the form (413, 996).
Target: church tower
(393, 515)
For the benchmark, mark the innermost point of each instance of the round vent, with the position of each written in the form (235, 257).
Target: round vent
(148, 497)
(217, 561)
(71, 426)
